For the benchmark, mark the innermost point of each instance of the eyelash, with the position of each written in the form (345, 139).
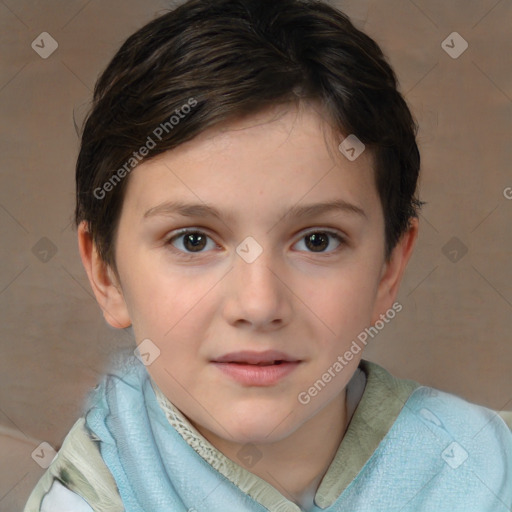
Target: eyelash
(188, 255)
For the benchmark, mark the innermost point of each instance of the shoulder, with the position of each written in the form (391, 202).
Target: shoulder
(441, 453)
(472, 430)
(427, 402)
(77, 478)
(445, 424)
(423, 398)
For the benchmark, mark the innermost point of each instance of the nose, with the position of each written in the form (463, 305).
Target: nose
(256, 293)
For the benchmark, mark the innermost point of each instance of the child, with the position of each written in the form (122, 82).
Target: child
(246, 203)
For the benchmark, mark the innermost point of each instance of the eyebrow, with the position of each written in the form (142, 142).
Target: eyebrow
(170, 208)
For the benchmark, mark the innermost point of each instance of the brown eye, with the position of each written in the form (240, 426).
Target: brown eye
(319, 241)
(188, 241)
(194, 242)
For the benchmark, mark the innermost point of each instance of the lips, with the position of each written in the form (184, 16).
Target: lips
(257, 368)
(266, 358)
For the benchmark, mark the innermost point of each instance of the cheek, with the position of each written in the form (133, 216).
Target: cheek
(345, 300)
(160, 305)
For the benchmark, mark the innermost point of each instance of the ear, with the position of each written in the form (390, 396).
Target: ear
(394, 269)
(103, 282)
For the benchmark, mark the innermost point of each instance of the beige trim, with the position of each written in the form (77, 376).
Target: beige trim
(80, 468)
(506, 416)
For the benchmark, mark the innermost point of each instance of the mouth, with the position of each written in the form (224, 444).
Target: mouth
(257, 368)
(266, 358)
(265, 363)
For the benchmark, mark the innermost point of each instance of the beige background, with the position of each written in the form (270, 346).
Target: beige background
(454, 330)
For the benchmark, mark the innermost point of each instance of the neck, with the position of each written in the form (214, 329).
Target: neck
(296, 464)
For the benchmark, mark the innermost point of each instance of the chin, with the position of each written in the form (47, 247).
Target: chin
(261, 425)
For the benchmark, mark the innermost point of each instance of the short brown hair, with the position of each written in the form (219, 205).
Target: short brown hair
(227, 58)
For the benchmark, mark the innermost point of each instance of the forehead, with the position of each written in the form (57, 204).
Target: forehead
(282, 156)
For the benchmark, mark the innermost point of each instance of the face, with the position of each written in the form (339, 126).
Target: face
(248, 287)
